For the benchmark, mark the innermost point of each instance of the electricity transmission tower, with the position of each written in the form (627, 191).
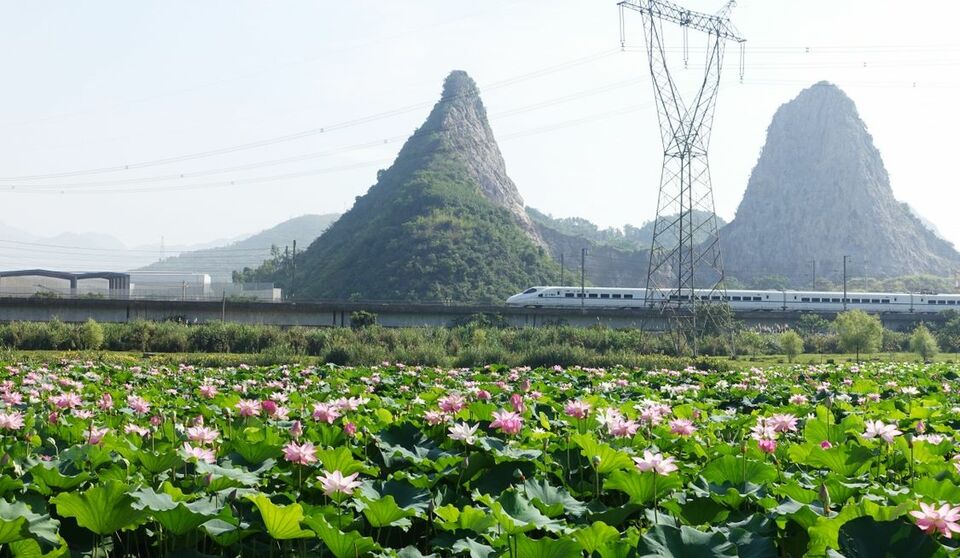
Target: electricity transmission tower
(685, 252)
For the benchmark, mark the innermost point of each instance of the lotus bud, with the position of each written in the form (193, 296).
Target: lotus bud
(824, 498)
(921, 427)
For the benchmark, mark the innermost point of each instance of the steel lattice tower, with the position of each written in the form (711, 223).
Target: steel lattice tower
(685, 252)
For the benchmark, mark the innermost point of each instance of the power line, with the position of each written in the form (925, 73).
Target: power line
(303, 133)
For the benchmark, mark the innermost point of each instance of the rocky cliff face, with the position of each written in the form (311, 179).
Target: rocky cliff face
(461, 120)
(443, 223)
(820, 191)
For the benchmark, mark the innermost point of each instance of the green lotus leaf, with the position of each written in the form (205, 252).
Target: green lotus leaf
(103, 509)
(640, 486)
(665, 541)
(610, 459)
(865, 537)
(349, 544)
(282, 522)
(546, 548)
(595, 537)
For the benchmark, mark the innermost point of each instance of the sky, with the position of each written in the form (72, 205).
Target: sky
(195, 121)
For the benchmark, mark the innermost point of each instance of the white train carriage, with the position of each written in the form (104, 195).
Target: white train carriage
(824, 301)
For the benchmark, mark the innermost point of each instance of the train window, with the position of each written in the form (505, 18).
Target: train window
(835, 300)
(714, 298)
(531, 290)
(735, 298)
(815, 299)
(804, 299)
(540, 295)
(569, 295)
(615, 296)
(579, 295)
(875, 301)
(885, 301)
(592, 295)
(758, 299)
(931, 302)
(604, 295)
(628, 296)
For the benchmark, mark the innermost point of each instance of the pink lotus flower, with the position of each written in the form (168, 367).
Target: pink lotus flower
(138, 404)
(304, 453)
(13, 398)
(767, 445)
(95, 435)
(451, 403)
(783, 423)
(655, 462)
(464, 432)
(268, 407)
(623, 428)
(826, 444)
(208, 391)
(886, 432)
(11, 421)
(943, 519)
(682, 427)
(350, 429)
(248, 408)
(335, 483)
(325, 412)
(507, 422)
(798, 399)
(106, 402)
(202, 434)
(434, 418)
(136, 429)
(199, 453)
(577, 409)
(296, 429)
(516, 401)
(66, 400)
(483, 395)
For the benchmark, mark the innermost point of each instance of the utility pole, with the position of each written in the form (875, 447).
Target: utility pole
(866, 285)
(583, 276)
(814, 286)
(561, 269)
(845, 282)
(293, 270)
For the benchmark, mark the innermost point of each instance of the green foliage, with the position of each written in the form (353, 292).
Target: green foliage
(91, 335)
(424, 232)
(362, 319)
(859, 332)
(923, 343)
(791, 344)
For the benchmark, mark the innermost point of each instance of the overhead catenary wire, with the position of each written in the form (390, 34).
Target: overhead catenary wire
(300, 134)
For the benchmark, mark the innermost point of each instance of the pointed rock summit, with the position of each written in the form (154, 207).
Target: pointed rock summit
(820, 191)
(444, 222)
(459, 120)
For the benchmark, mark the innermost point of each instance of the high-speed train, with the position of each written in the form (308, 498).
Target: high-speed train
(609, 297)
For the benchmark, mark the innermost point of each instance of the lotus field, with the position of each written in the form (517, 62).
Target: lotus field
(105, 460)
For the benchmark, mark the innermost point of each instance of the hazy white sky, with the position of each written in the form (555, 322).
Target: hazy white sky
(106, 84)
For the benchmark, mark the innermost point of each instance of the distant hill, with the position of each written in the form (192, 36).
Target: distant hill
(820, 191)
(627, 238)
(444, 222)
(250, 252)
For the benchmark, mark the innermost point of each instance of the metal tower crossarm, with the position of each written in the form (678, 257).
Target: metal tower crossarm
(717, 24)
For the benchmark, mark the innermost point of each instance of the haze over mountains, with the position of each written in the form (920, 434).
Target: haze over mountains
(819, 192)
(446, 222)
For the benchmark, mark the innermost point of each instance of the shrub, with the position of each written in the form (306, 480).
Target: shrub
(791, 344)
(91, 335)
(923, 343)
(362, 319)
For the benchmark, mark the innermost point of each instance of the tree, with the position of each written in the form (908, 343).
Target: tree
(791, 344)
(923, 343)
(859, 332)
(91, 335)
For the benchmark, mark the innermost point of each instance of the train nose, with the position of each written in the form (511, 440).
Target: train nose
(513, 299)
